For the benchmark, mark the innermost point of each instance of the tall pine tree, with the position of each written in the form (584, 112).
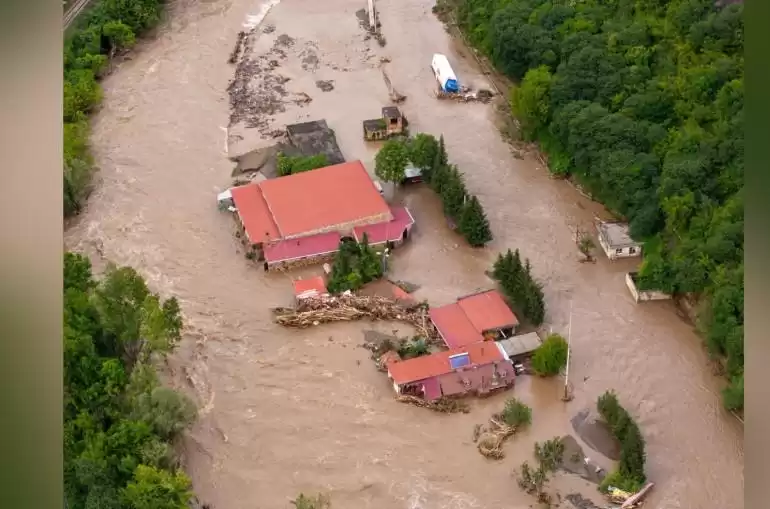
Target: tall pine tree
(474, 224)
(453, 194)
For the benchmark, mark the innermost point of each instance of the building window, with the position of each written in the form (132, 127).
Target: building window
(631, 250)
(619, 251)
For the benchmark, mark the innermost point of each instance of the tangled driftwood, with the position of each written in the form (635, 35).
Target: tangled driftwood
(444, 405)
(490, 442)
(315, 311)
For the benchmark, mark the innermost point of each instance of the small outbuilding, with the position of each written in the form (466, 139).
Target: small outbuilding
(520, 347)
(616, 241)
(310, 288)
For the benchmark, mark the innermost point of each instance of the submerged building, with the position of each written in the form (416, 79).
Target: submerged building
(480, 368)
(304, 216)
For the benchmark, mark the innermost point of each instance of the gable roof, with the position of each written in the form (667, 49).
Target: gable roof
(254, 214)
(487, 311)
(386, 231)
(330, 196)
(454, 326)
(437, 364)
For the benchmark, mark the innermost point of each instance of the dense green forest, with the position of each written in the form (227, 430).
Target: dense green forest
(120, 423)
(641, 102)
(107, 28)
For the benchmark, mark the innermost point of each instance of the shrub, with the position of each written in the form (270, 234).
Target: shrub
(516, 413)
(290, 165)
(550, 356)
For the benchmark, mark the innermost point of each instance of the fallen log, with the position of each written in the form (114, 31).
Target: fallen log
(635, 499)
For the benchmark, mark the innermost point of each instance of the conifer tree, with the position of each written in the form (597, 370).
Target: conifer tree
(453, 194)
(443, 156)
(632, 456)
(474, 224)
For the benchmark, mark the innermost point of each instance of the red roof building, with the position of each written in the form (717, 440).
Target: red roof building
(390, 231)
(480, 367)
(297, 249)
(468, 320)
(313, 287)
(257, 221)
(305, 215)
(313, 201)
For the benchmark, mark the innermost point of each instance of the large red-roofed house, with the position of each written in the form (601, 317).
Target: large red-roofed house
(305, 215)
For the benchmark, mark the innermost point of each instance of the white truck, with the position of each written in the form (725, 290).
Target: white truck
(445, 76)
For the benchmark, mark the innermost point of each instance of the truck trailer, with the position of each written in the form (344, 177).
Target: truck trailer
(445, 76)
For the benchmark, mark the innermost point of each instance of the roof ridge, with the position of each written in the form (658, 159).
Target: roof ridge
(272, 214)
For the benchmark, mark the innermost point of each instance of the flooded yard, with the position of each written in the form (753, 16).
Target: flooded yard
(284, 411)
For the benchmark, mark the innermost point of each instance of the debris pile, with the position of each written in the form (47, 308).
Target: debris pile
(345, 308)
(443, 405)
(491, 439)
(236, 53)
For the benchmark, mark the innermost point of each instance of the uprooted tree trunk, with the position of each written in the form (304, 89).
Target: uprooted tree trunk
(315, 311)
(491, 440)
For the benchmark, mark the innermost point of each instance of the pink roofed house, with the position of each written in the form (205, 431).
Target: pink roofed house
(479, 368)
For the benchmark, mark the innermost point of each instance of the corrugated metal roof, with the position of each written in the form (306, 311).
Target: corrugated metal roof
(437, 364)
(488, 311)
(520, 345)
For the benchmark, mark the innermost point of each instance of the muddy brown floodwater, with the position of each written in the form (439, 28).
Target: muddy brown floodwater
(286, 411)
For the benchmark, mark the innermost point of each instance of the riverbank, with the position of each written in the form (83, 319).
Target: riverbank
(591, 122)
(158, 142)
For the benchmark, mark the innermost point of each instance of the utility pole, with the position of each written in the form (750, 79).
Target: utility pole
(567, 395)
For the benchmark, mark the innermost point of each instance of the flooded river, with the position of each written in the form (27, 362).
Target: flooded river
(286, 411)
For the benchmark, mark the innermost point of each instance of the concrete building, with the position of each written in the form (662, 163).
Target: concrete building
(480, 368)
(304, 216)
(643, 295)
(616, 242)
(474, 318)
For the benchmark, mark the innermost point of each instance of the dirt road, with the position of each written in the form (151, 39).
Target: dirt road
(285, 411)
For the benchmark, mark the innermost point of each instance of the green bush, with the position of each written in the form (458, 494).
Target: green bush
(550, 356)
(516, 413)
(290, 165)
